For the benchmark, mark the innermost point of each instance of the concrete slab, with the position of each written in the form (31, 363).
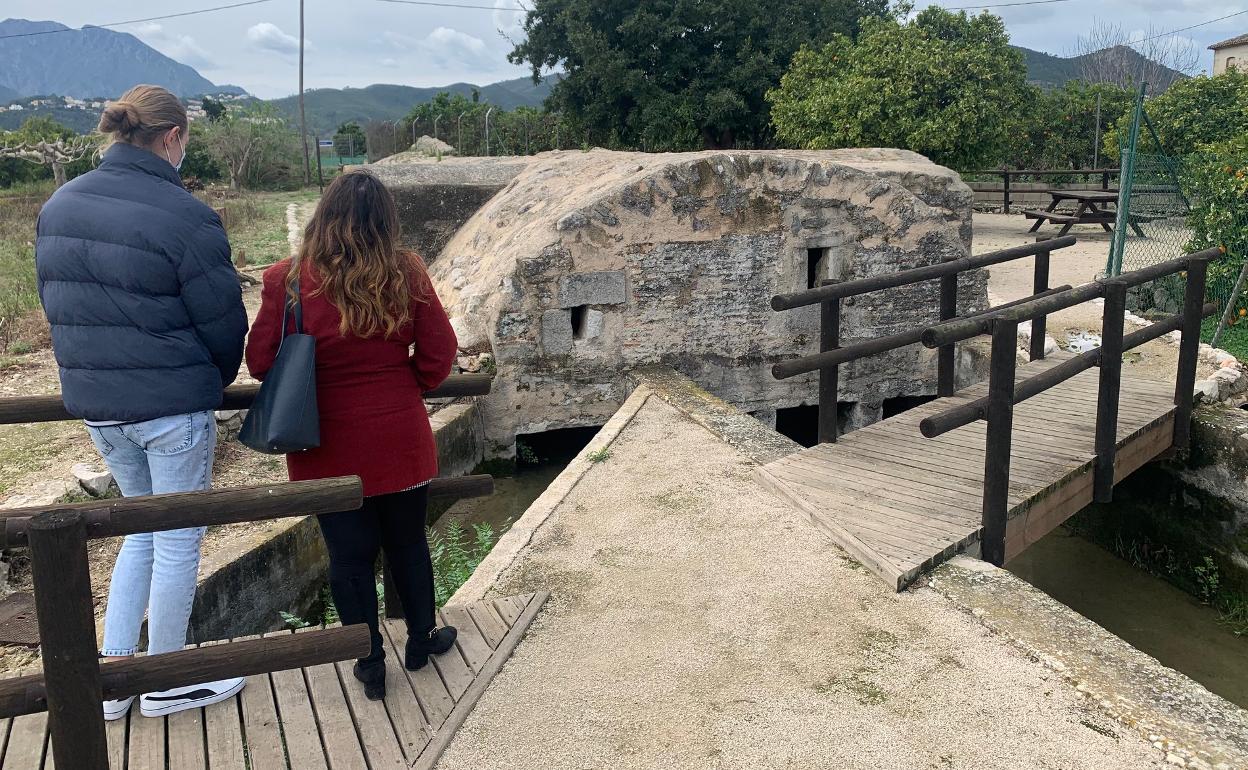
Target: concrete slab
(697, 622)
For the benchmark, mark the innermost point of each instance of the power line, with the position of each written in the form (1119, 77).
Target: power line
(1004, 5)
(140, 21)
(1184, 29)
(450, 5)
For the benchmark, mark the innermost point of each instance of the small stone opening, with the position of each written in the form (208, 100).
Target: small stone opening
(559, 445)
(815, 267)
(801, 423)
(579, 314)
(895, 406)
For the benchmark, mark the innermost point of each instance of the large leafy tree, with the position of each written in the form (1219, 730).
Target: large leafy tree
(1057, 128)
(675, 74)
(1190, 114)
(947, 85)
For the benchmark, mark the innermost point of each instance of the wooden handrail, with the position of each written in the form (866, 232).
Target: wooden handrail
(151, 673)
(26, 409)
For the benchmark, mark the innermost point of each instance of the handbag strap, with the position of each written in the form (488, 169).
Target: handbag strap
(298, 306)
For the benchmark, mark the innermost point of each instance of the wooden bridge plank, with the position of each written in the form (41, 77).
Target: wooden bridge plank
(434, 699)
(372, 720)
(507, 611)
(492, 627)
(186, 740)
(147, 742)
(115, 733)
(302, 738)
(456, 673)
(472, 645)
(261, 723)
(28, 739)
(899, 485)
(411, 724)
(333, 718)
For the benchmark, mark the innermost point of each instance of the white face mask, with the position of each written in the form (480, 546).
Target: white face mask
(182, 147)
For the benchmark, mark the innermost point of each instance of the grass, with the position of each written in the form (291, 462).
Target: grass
(455, 553)
(19, 297)
(1234, 339)
(256, 221)
(599, 455)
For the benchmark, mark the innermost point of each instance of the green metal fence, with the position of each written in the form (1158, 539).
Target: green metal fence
(1169, 206)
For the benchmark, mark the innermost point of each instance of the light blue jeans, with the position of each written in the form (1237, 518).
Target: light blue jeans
(155, 571)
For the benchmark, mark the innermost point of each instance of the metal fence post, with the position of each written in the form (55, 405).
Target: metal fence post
(996, 503)
(1109, 391)
(1189, 347)
(62, 582)
(829, 376)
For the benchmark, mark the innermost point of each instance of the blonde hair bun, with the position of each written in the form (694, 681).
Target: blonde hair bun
(120, 118)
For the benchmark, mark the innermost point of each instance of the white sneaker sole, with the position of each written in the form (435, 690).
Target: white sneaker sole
(172, 707)
(119, 712)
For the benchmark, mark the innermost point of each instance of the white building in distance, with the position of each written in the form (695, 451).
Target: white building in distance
(1230, 53)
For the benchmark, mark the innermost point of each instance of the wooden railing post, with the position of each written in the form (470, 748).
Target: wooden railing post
(996, 502)
(945, 358)
(1005, 175)
(1104, 180)
(1189, 347)
(1109, 390)
(1039, 285)
(829, 376)
(62, 583)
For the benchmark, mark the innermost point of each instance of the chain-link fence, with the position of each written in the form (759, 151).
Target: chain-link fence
(1171, 206)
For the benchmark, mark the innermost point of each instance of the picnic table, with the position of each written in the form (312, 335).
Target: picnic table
(1095, 207)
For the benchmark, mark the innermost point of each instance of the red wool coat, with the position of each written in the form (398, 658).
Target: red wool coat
(368, 390)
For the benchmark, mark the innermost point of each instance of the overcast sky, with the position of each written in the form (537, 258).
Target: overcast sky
(359, 42)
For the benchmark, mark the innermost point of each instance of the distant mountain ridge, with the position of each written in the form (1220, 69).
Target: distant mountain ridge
(1049, 71)
(328, 108)
(92, 62)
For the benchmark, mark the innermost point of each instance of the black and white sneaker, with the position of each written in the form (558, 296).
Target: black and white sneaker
(159, 704)
(116, 709)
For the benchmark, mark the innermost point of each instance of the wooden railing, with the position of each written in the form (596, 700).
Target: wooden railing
(74, 682)
(997, 408)
(1007, 173)
(829, 296)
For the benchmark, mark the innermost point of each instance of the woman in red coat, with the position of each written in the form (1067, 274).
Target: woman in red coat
(382, 340)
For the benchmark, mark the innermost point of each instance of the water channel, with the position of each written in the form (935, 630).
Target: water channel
(1150, 614)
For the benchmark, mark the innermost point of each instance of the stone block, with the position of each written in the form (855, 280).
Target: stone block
(1206, 391)
(93, 482)
(601, 288)
(592, 326)
(556, 332)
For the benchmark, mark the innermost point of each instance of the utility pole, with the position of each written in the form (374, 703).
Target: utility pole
(303, 117)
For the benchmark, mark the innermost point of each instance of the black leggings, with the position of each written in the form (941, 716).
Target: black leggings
(394, 524)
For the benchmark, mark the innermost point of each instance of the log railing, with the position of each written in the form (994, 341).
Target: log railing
(829, 296)
(997, 408)
(74, 682)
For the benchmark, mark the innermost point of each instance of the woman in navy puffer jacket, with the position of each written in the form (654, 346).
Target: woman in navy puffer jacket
(147, 326)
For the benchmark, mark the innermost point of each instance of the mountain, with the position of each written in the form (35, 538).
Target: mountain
(92, 62)
(1049, 71)
(328, 108)
(8, 95)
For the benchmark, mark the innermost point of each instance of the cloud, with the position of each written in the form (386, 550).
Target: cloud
(270, 37)
(509, 18)
(448, 47)
(390, 63)
(182, 48)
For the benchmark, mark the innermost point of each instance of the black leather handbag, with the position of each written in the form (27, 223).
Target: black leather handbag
(283, 418)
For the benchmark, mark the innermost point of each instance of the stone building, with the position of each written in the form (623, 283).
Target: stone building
(583, 265)
(1230, 53)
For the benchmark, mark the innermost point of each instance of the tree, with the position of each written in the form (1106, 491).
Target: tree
(1057, 128)
(349, 140)
(1192, 113)
(945, 85)
(47, 143)
(256, 147)
(214, 109)
(665, 75)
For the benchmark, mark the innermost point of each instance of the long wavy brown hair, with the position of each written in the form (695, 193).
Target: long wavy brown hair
(352, 246)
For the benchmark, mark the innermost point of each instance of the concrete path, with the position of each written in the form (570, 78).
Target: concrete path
(697, 622)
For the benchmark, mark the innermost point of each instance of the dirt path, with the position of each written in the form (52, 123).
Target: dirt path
(1074, 265)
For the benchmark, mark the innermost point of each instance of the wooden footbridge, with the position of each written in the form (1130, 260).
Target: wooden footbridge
(301, 708)
(993, 467)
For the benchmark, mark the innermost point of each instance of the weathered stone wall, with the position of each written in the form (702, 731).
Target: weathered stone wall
(589, 264)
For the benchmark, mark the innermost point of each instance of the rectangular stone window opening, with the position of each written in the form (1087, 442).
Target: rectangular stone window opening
(801, 423)
(579, 314)
(895, 406)
(816, 267)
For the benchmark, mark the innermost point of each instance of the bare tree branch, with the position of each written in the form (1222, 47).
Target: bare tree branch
(1110, 54)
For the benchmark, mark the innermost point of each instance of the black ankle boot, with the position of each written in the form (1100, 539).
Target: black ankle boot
(418, 650)
(373, 676)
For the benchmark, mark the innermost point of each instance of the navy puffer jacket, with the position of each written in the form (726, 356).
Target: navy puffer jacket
(135, 276)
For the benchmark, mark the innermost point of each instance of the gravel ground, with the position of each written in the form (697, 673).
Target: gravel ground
(1073, 265)
(697, 622)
